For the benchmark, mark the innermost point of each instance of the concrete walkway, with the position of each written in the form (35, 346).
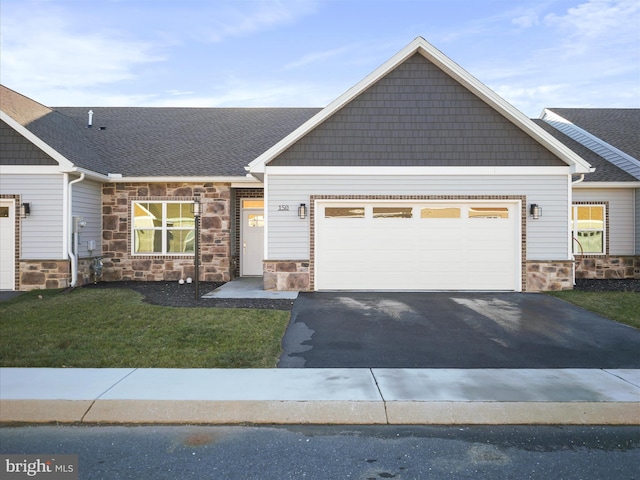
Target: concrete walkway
(248, 287)
(321, 396)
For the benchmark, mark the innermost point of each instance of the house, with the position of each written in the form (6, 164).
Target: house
(417, 178)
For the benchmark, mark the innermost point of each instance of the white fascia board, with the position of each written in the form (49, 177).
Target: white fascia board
(30, 169)
(64, 163)
(222, 179)
(420, 45)
(607, 185)
(416, 171)
(552, 117)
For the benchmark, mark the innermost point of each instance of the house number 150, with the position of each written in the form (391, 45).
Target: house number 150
(283, 208)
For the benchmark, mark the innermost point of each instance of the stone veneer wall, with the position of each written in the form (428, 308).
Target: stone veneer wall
(607, 266)
(215, 243)
(552, 275)
(286, 275)
(43, 274)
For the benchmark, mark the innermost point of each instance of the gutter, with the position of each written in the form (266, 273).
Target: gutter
(119, 178)
(72, 234)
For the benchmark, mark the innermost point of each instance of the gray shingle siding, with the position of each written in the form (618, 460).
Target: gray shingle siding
(417, 115)
(17, 150)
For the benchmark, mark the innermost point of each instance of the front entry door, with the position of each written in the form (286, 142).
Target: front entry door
(252, 238)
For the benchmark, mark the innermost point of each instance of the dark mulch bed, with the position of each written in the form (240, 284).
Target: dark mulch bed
(609, 285)
(172, 294)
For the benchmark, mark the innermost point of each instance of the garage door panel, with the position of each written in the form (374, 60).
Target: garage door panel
(478, 249)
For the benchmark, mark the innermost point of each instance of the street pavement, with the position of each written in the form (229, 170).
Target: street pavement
(336, 452)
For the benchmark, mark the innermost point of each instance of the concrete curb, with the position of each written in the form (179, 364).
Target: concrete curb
(321, 396)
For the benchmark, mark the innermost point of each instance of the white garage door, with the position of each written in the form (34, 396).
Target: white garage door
(417, 246)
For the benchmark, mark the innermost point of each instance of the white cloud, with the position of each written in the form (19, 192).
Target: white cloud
(598, 19)
(317, 56)
(235, 19)
(57, 54)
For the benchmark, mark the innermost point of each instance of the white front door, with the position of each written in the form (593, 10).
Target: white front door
(252, 238)
(7, 245)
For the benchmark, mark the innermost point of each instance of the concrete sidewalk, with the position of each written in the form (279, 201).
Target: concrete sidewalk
(321, 396)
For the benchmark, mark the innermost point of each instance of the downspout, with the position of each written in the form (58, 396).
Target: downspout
(573, 264)
(73, 234)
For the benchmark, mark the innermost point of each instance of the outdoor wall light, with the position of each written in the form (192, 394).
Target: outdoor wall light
(302, 211)
(25, 210)
(535, 211)
(196, 208)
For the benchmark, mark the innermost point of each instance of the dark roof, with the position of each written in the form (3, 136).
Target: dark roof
(619, 127)
(605, 170)
(140, 141)
(53, 128)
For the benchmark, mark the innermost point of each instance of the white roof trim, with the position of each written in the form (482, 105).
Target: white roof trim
(64, 163)
(420, 45)
(607, 185)
(415, 171)
(620, 159)
(115, 178)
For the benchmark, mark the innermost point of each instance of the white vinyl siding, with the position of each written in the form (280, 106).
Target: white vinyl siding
(87, 203)
(621, 215)
(547, 238)
(41, 235)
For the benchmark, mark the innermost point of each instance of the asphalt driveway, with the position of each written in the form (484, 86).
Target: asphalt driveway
(452, 330)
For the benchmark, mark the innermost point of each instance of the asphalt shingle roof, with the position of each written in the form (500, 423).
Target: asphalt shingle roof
(619, 127)
(605, 170)
(142, 141)
(139, 141)
(55, 129)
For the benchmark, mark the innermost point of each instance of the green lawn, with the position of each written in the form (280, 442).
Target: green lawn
(114, 328)
(623, 307)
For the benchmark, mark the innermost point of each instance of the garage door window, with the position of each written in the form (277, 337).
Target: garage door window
(440, 212)
(344, 212)
(491, 212)
(392, 212)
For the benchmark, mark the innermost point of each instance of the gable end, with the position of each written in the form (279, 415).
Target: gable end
(17, 150)
(417, 115)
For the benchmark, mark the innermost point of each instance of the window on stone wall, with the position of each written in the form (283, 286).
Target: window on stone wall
(588, 226)
(163, 228)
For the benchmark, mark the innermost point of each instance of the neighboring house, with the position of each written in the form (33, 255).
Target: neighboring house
(417, 178)
(606, 205)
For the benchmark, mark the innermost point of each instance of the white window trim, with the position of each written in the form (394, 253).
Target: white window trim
(162, 229)
(574, 230)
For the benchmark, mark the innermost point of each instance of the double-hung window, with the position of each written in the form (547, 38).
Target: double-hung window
(588, 225)
(163, 228)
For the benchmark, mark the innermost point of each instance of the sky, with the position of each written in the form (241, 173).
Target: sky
(306, 53)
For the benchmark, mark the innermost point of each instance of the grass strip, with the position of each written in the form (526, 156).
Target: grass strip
(114, 328)
(623, 307)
